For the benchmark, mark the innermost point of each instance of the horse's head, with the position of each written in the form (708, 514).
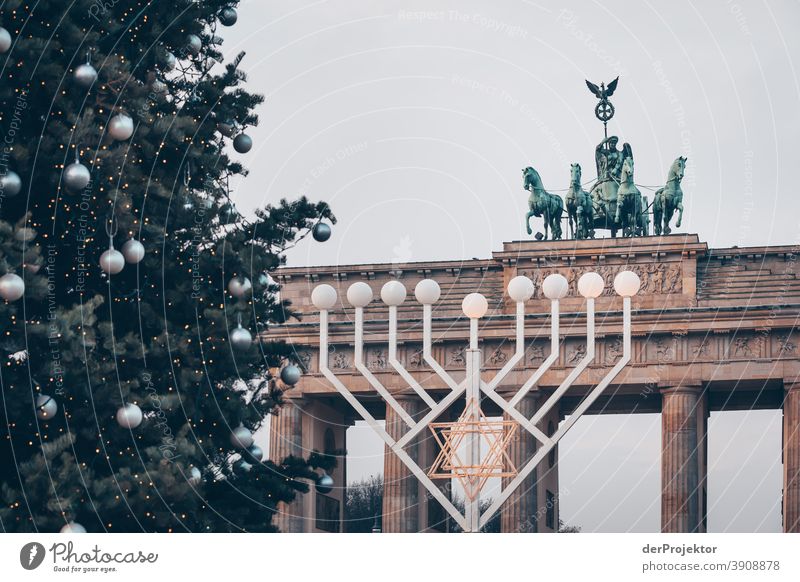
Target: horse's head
(677, 169)
(530, 178)
(575, 173)
(627, 169)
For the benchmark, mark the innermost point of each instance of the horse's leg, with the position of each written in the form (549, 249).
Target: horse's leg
(680, 213)
(656, 216)
(528, 220)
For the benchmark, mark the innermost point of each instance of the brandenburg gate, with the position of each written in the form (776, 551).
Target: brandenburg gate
(712, 330)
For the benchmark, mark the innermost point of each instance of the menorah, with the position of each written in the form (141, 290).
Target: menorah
(465, 436)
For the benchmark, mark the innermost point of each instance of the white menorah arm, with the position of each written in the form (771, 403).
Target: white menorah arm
(576, 414)
(373, 381)
(519, 352)
(548, 362)
(395, 363)
(396, 447)
(573, 375)
(426, 349)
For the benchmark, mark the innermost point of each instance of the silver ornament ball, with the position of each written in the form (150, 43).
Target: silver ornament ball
(46, 407)
(129, 416)
(242, 438)
(120, 127)
(325, 484)
(85, 75)
(158, 86)
(242, 143)
(133, 251)
(112, 261)
(226, 128)
(25, 234)
(228, 17)
(12, 287)
(195, 476)
(291, 375)
(256, 453)
(239, 287)
(242, 466)
(5, 40)
(321, 232)
(194, 44)
(169, 61)
(77, 176)
(10, 184)
(241, 339)
(73, 527)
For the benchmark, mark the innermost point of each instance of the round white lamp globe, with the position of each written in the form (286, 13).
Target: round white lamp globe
(359, 294)
(520, 288)
(427, 292)
(627, 283)
(323, 296)
(393, 293)
(555, 286)
(73, 528)
(591, 285)
(475, 305)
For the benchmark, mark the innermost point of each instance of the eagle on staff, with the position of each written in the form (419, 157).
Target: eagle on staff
(604, 110)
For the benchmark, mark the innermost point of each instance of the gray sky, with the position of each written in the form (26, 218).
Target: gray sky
(413, 119)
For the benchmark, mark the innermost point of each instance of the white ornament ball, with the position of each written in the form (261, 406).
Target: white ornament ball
(359, 294)
(112, 261)
(555, 286)
(427, 291)
(242, 438)
(25, 234)
(85, 75)
(226, 128)
(520, 288)
(474, 305)
(77, 176)
(10, 184)
(239, 287)
(133, 251)
(169, 61)
(194, 44)
(241, 339)
(591, 285)
(129, 416)
(5, 40)
(158, 86)
(12, 287)
(120, 127)
(73, 528)
(195, 476)
(393, 293)
(323, 296)
(46, 407)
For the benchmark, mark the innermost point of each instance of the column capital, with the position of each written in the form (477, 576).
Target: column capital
(791, 385)
(685, 386)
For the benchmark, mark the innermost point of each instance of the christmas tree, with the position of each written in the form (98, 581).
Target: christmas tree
(133, 292)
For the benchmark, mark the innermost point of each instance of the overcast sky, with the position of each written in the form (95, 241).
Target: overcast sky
(413, 119)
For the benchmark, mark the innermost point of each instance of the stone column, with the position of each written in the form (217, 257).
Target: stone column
(400, 487)
(682, 412)
(791, 458)
(285, 439)
(519, 512)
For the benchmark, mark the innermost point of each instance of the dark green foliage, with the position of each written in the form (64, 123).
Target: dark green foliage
(155, 334)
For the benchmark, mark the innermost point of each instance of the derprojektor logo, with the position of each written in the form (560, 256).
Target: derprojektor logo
(31, 555)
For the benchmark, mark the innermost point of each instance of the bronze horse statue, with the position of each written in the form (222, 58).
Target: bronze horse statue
(542, 203)
(580, 209)
(669, 198)
(629, 201)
